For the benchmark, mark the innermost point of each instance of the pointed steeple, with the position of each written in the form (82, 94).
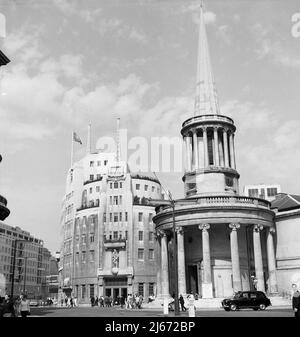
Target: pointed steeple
(88, 142)
(206, 100)
(118, 141)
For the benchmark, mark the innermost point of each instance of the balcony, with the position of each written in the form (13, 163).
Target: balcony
(114, 243)
(93, 205)
(207, 118)
(92, 181)
(141, 201)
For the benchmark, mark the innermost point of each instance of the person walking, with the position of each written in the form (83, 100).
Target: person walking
(122, 301)
(181, 301)
(96, 301)
(296, 303)
(24, 306)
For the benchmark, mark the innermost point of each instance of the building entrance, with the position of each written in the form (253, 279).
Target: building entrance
(192, 276)
(115, 287)
(116, 292)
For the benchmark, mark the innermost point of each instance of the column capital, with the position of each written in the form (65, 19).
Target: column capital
(225, 129)
(257, 228)
(204, 226)
(216, 128)
(272, 230)
(204, 128)
(179, 230)
(234, 226)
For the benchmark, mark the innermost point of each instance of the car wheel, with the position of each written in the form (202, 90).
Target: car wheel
(233, 307)
(226, 309)
(262, 307)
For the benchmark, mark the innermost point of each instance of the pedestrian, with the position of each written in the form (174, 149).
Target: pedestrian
(24, 306)
(66, 301)
(75, 301)
(140, 301)
(71, 302)
(181, 301)
(96, 301)
(17, 306)
(296, 302)
(101, 300)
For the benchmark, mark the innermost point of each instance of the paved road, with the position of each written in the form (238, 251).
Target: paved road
(118, 312)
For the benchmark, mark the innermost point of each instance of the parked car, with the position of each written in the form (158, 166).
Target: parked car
(34, 303)
(257, 300)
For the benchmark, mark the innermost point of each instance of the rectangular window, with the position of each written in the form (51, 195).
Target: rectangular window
(116, 217)
(151, 254)
(98, 176)
(92, 256)
(151, 289)
(140, 217)
(83, 257)
(141, 289)
(83, 291)
(115, 235)
(140, 254)
(97, 202)
(91, 163)
(121, 184)
(116, 185)
(92, 238)
(92, 290)
(126, 216)
(137, 187)
(91, 177)
(98, 162)
(120, 200)
(116, 200)
(153, 188)
(97, 188)
(126, 235)
(110, 217)
(110, 186)
(141, 235)
(91, 190)
(104, 217)
(110, 200)
(105, 162)
(120, 215)
(146, 187)
(151, 236)
(150, 217)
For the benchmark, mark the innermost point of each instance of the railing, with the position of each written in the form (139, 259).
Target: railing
(114, 240)
(220, 200)
(92, 181)
(86, 207)
(202, 118)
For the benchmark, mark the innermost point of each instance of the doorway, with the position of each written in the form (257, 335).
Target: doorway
(193, 279)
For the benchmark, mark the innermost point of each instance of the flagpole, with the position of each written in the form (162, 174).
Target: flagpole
(72, 149)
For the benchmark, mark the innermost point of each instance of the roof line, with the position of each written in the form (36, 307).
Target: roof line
(294, 199)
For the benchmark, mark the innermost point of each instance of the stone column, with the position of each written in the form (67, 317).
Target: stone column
(207, 282)
(225, 143)
(259, 271)
(216, 141)
(235, 258)
(271, 261)
(195, 149)
(206, 162)
(181, 262)
(188, 152)
(158, 261)
(232, 156)
(164, 266)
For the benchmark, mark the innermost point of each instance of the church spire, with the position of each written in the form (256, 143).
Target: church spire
(118, 141)
(206, 100)
(88, 142)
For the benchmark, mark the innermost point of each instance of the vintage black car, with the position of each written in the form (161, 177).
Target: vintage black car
(256, 300)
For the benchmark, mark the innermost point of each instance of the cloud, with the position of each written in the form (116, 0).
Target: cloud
(271, 47)
(210, 17)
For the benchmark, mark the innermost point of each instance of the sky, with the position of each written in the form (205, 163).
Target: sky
(80, 62)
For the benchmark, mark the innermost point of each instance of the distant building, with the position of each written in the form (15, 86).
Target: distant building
(52, 279)
(107, 230)
(263, 191)
(31, 265)
(287, 219)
